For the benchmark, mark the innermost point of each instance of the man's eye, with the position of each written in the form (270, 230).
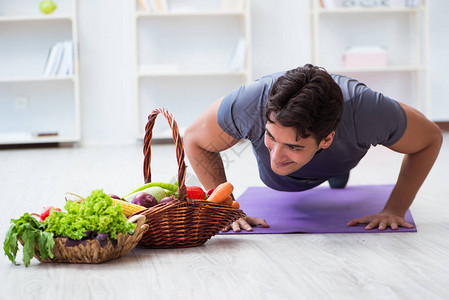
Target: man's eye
(294, 148)
(270, 136)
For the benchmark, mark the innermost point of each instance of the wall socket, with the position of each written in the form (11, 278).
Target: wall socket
(21, 103)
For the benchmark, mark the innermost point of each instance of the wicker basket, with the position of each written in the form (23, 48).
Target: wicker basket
(183, 222)
(91, 252)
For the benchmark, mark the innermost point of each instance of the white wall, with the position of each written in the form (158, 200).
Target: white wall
(280, 33)
(107, 104)
(438, 59)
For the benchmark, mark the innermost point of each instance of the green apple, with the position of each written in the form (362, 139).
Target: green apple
(47, 6)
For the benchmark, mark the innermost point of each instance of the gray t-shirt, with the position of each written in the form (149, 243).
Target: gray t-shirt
(369, 118)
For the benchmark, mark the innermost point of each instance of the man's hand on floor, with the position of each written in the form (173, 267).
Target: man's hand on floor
(246, 224)
(381, 220)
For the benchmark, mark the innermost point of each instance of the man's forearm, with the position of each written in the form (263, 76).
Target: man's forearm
(414, 170)
(208, 166)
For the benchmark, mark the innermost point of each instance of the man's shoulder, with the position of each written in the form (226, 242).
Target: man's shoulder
(254, 95)
(350, 87)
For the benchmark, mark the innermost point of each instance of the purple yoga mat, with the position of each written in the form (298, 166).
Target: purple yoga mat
(319, 210)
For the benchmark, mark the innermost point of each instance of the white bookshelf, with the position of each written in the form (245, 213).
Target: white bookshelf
(402, 30)
(182, 58)
(154, 14)
(24, 18)
(35, 108)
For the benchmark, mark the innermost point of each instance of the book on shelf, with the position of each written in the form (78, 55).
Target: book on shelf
(59, 60)
(153, 5)
(143, 5)
(237, 60)
(53, 60)
(146, 5)
(327, 3)
(66, 67)
(160, 5)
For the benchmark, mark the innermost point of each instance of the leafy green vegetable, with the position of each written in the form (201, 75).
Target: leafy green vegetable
(30, 231)
(96, 213)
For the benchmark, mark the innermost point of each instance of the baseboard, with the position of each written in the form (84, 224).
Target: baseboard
(443, 125)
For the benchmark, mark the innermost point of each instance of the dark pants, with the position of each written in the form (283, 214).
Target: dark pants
(339, 182)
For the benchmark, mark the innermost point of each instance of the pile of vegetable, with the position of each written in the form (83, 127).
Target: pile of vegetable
(95, 217)
(154, 193)
(100, 216)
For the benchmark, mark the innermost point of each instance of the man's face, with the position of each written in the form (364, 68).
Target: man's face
(287, 153)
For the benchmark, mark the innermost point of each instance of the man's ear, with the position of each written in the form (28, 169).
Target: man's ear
(327, 141)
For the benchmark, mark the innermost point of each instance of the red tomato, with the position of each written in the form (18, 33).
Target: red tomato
(46, 212)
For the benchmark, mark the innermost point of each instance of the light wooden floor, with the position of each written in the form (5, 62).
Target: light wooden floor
(293, 266)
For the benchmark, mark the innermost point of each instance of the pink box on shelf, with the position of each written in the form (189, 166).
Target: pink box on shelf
(365, 57)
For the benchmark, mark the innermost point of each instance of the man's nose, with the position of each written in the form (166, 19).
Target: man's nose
(276, 152)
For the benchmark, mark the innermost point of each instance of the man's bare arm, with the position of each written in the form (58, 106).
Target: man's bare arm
(203, 142)
(421, 144)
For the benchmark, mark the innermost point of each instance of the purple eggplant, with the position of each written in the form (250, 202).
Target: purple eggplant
(144, 199)
(166, 199)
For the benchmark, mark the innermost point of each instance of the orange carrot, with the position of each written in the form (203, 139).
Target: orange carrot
(235, 204)
(228, 201)
(221, 192)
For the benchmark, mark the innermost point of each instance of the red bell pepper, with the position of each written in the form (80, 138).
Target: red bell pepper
(195, 192)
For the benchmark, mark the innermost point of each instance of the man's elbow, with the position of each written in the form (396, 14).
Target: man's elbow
(188, 137)
(437, 136)
(192, 139)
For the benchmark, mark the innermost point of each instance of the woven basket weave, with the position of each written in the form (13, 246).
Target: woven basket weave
(91, 252)
(183, 222)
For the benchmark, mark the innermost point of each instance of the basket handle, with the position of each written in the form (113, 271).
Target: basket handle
(179, 149)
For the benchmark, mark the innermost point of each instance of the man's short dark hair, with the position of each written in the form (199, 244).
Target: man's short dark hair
(307, 99)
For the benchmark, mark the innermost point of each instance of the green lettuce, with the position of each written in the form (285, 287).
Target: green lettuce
(96, 213)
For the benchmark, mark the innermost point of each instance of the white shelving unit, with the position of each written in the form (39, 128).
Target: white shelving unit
(401, 30)
(35, 108)
(183, 58)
